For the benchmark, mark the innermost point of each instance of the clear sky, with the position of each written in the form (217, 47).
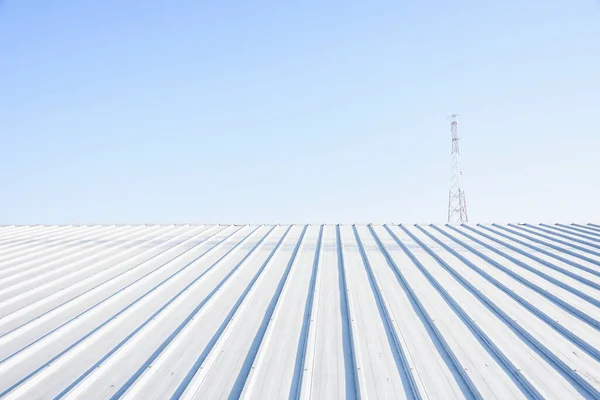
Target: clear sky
(314, 111)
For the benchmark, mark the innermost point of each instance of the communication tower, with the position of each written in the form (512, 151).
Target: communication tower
(457, 203)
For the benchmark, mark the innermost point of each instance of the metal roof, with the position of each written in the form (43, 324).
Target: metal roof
(309, 311)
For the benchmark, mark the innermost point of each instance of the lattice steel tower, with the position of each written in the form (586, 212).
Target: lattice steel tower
(457, 203)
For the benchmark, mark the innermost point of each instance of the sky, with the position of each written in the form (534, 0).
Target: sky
(297, 112)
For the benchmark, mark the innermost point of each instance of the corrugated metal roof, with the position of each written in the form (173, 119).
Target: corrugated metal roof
(323, 312)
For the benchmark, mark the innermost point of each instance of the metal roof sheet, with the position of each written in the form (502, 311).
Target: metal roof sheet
(300, 311)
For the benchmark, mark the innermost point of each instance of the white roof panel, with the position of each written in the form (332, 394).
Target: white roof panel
(300, 311)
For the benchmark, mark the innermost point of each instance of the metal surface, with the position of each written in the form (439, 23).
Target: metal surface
(301, 311)
(457, 202)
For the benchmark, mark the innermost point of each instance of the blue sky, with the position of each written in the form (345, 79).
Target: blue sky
(272, 111)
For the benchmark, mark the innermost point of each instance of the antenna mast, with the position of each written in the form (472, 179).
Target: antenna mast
(457, 203)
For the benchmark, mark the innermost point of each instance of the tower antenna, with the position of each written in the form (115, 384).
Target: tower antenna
(457, 203)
